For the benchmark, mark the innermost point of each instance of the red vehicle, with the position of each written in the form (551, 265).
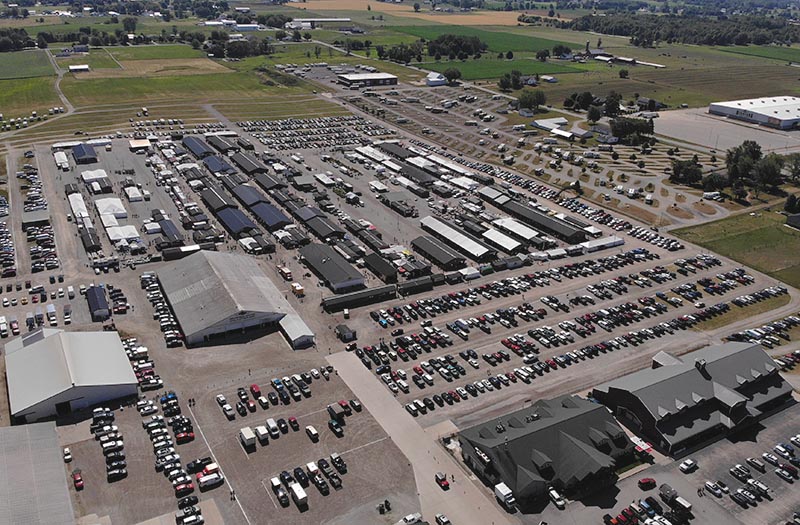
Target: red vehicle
(294, 424)
(419, 370)
(184, 437)
(511, 377)
(184, 489)
(647, 483)
(255, 390)
(77, 479)
(552, 364)
(345, 406)
(628, 513)
(441, 480)
(456, 397)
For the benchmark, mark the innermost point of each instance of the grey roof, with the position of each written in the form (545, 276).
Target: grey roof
(688, 394)
(456, 238)
(567, 439)
(329, 264)
(248, 163)
(208, 287)
(544, 222)
(296, 330)
(437, 251)
(33, 485)
(44, 363)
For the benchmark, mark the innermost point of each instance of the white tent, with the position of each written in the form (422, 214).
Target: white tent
(133, 194)
(78, 205)
(93, 175)
(118, 233)
(108, 220)
(111, 205)
(152, 227)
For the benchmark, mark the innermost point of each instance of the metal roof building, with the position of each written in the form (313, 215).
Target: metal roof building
(269, 216)
(98, 304)
(457, 239)
(235, 221)
(683, 403)
(381, 267)
(222, 144)
(51, 372)
(216, 199)
(324, 229)
(268, 182)
(438, 253)
(296, 331)
(248, 163)
(502, 242)
(84, 154)
(248, 195)
(543, 222)
(782, 112)
(339, 275)
(33, 486)
(215, 294)
(379, 294)
(197, 146)
(568, 443)
(216, 164)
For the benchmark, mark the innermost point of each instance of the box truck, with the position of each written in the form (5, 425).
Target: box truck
(298, 494)
(504, 495)
(247, 436)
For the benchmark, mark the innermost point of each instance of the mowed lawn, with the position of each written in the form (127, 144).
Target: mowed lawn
(25, 64)
(155, 52)
(96, 59)
(495, 68)
(761, 241)
(18, 97)
(496, 40)
(786, 54)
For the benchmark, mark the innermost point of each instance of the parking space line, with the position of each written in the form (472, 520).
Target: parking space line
(211, 451)
(266, 489)
(363, 446)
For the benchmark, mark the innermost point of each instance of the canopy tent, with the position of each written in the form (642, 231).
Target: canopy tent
(118, 233)
(112, 206)
(78, 205)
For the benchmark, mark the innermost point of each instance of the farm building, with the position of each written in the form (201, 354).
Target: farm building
(197, 146)
(98, 303)
(683, 403)
(367, 79)
(79, 68)
(438, 253)
(269, 216)
(84, 154)
(568, 443)
(339, 275)
(217, 294)
(360, 298)
(435, 79)
(545, 223)
(54, 373)
(781, 112)
(248, 163)
(381, 267)
(457, 239)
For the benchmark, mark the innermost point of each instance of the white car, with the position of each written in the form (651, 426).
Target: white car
(688, 465)
(67, 455)
(221, 400)
(713, 488)
(556, 498)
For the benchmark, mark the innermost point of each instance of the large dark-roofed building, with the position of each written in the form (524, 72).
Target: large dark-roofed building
(84, 154)
(381, 267)
(324, 229)
(339, 275)
(683, 403)
(248, 195)
(235, 221)
(360, 298)
(222, 144)
(248, 163)
(270, 216)
(568, 443)
(216, 199)
(216, 164)
(438, 253)
(197, 146)
(542, 222)
(269, 182)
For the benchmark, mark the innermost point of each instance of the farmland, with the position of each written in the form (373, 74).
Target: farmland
(496, 40)
(96, 59)
(154, 52)
(494, 68)
(760, 240)
(21, 96)
(786, 54)
(24, 64)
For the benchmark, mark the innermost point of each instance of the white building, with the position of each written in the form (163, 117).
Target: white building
(435, 79)
(782, 112)
(51, 372)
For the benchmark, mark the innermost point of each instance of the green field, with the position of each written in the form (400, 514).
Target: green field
(72, 26)
(155, 52)
(496, 40)
(20, 96)
(786, 54)
(761, 241)
(96, 59)
(494, 68)
(24, 64)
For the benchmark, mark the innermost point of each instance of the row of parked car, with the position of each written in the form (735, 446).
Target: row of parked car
(107, 434)
(322, 473)
(769, 335)
(320, 132)
(161, 310)
(8, 254)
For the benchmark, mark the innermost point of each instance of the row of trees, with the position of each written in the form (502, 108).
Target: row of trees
(455, 45)
(649, 30)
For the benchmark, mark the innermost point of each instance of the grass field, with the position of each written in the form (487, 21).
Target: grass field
(96, 59)
(494, 68)
(24, 64)
(20, 96)
(738, 313)
(761, 241)
(498, 41)
(786, 54)
(155, 52)
(72, 26)
(281, 108)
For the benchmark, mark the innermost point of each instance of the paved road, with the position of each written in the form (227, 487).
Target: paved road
(464, 502)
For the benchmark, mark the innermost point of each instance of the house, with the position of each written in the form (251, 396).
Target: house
(435, 79)
(529, 80)
(649, 104)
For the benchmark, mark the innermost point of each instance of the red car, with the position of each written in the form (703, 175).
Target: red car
(345, 406)
(441, 480)
(255, 390)
(184, 437)
(77, 479)
(647, 483)
(184, 489)
(294, 424)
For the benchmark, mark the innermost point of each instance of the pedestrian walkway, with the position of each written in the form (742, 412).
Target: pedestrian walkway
(464, 502)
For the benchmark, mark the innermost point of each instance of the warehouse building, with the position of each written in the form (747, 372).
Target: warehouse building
(782, 112)
(214, 295)
(248, 163)
(568, 443)
(236, 222)
(367, 79)
(84, 154)
(222, 144)
(269, 216)
(98, 303)
(55, 373)
(331, 268)
(438, 253)
(366, 297)
(248, 195)
(381, 267)
(458, 240)
(545, 223)
(197, 146)
(683, 403)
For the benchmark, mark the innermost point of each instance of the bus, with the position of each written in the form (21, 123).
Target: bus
(378, 187)
(285, 272)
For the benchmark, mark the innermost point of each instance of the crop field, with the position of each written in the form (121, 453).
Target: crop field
(281, 108)
(154, 52)
(24, 64)
(156, 68)
(786, 54)
(496, 40)
(761, 241)
(20, 96)
(72, 26)
(494, 68)
(96, 59)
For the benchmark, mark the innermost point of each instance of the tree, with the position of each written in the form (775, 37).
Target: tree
(532, 99)
(504, 83)
(296, 36)
(623, 73)
(280, 34)
(509, 55)
(129, 23)
(685, 172)
(561, 49)
(793, 166)
(741, 160)
(416, 7)
(516, 79)
(792, 205)
(767, 171)
(452, 74)
(542, 55)
(41, 41)
(195, 43)
(584, 100)
(594, 114)
(611, 106)
(306, 36)
(715, 182)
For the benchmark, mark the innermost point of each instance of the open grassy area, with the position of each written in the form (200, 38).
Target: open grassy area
(786, 54)
(496, 40)
(738, 313)
(71, 25)
(96, 59)
(155, 52)
(20, 96)
(495, 68)
(761, 241)
(281, 108)
(24, 64)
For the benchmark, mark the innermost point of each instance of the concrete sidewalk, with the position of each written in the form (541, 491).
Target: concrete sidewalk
(464, 502)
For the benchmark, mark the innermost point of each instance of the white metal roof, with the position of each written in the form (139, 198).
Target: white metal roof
(78, 205)
(44, 363)
(355, 77)
(455, 236)
(783, 107)
(517, 228)
(505, 242)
